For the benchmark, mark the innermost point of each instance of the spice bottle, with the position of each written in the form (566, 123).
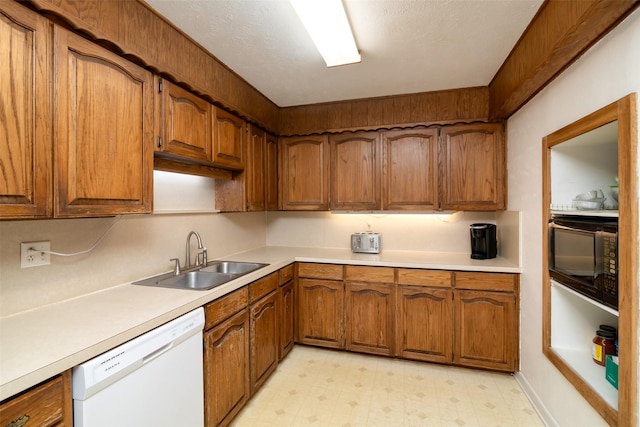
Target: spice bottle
(603, 344)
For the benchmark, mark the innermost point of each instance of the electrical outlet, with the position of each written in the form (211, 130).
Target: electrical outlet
(31, 255)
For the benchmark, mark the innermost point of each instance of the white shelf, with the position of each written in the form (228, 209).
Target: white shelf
(606, 213)
(593, 374)
(584, 298)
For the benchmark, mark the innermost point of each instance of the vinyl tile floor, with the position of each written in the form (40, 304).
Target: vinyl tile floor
(318, 387)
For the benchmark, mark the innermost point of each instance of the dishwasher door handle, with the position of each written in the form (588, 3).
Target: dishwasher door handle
(157, 353)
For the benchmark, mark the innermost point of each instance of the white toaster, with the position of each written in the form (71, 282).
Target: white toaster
(368, 243)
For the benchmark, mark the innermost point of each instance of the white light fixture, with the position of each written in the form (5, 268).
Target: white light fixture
(327, 24)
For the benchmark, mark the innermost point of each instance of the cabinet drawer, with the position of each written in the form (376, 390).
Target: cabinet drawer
(286, 274)
(417, 277)
(369, 274)
(223, 308)
(320, 271)
(41, 406)
(486, 281)
(261, 287)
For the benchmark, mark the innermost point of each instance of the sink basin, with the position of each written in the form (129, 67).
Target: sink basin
(215, 274)
(233, 267)
(196, 280)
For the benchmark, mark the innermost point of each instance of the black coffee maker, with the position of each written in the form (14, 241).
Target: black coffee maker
(483, 241)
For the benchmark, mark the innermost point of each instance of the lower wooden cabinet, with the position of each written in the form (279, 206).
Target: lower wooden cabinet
(425, 324)
(320, 311)
(226, 369)
(370, 309)
(226, 357)
(264, 339)
(48, 404)
(486, 321)
(461, 318)
(286, 299)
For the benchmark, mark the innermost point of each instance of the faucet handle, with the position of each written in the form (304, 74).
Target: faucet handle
(204, 258)
(176, 269)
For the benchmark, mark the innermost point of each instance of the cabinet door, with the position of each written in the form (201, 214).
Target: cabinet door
(226, 369)
(425, 324)
(228, 139)
(370, 310)
(255, 169)
(304, 173)
(355, 171)
(286, 323)
(320, 313)
(271, 174)
(264, 340)
(473, 167)
(410, 169)
(486, 333)
(103, 131)
(185, 123)
(25, 127)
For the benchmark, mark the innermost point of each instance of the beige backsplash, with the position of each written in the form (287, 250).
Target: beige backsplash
(141, 245)
(407, 232)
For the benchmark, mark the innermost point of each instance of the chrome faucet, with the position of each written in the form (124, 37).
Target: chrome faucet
(188, 251)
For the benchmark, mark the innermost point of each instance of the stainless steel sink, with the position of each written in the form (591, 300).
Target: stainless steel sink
(196, 280)
(214, 274)
(233, 267)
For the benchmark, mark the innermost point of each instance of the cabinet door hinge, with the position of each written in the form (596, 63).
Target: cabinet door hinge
(159, 142)
(160, 86)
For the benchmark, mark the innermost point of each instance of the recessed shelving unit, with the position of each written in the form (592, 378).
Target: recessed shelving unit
(587, 155)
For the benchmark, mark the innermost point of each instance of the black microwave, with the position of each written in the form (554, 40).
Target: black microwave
(583, 255)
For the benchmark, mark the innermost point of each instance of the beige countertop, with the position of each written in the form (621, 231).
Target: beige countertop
(40, 343)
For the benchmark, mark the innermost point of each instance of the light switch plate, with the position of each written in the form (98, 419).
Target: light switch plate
(31, 255)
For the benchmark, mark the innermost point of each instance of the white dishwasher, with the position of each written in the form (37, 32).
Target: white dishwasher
(154, 380)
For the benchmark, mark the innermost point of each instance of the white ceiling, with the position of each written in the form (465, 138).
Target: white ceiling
(407, 46)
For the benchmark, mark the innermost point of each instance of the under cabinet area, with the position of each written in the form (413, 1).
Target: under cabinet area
(47, 404)
(461, 318)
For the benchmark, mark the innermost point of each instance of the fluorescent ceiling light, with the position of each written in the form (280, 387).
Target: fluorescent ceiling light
(327, 24)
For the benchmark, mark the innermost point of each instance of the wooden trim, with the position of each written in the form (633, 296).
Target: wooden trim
(625, 111)
(426, 108)
(135, 31)
(559, 34)
(168, 165)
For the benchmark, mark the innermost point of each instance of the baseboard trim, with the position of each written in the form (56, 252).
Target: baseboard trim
(537, 404)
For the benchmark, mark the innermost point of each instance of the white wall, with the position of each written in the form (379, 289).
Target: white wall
(608, 71)
(137, 246)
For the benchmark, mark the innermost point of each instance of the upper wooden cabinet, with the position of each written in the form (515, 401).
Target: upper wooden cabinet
(473, 167)
(410, 169)
(355, 171)
(255, 169)
(103, 130)
(228, 139)
(271, 173)
(184, 122)
(25, 128)
(304, 172)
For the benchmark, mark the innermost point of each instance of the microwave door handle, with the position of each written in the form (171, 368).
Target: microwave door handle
(599, 252)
